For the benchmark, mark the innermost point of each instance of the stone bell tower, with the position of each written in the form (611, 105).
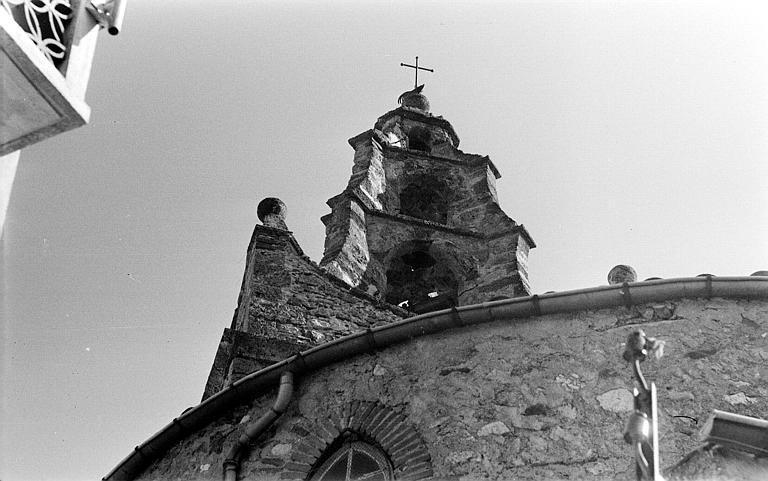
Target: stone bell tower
(419, 223)
(419, 226)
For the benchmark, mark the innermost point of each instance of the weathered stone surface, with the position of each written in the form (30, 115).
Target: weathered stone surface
(680, 395)
(378, 370)
(616, 400)
(739, 398)
(541, 379)
(281, 450)
(496, 427)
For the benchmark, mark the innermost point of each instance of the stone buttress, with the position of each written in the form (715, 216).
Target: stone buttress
(287, 304)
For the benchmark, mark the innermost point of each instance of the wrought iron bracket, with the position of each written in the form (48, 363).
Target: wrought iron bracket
(642, 431)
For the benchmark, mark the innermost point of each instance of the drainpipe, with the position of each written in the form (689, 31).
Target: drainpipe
(232, 461)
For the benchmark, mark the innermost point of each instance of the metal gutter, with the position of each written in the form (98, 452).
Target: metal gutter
(255, 384)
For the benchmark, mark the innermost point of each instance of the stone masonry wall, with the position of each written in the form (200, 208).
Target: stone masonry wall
(287, 303)
(287, 296)
(539, 398)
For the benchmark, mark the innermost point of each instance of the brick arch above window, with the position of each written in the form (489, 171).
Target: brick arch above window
(382, 426)
(352, 461)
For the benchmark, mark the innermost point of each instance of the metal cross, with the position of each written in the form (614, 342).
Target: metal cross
(416, 69)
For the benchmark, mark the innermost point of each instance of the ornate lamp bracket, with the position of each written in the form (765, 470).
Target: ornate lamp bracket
(642, 431)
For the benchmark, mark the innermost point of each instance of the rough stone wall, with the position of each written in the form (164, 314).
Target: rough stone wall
(286, 304)
(539, 398)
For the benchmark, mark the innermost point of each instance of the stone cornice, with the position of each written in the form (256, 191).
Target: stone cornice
(419, 116)
(375, 136)
(365, 204)
(470, 160)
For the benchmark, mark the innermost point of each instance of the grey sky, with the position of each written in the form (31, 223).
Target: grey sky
(625, 132)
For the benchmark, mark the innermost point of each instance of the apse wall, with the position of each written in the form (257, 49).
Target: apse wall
(537, 398)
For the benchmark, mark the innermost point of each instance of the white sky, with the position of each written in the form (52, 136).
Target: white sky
(625, 132)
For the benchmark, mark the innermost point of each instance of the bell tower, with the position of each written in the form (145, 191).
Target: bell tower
(419, 224)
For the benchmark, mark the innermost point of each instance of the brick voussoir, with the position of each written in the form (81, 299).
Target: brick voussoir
(303, 447)
(298, 467)
(314, 442)
(411, 439)
(372, 419)
(358, 414)
(293, 475)
(406, 450)
(395, 440)
(413, 476)
(374, 430)
(329, 431)
(394, 430)
(346, 414)
(409, 459)
(412, 468)
(386, 427)
(372, 411)
(301, 429)
(303, 458)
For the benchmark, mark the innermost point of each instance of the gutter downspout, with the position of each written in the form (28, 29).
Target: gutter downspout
(284, 394)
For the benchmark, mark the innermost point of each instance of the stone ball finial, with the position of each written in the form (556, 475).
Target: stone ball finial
(620, 274)
(272, 212)
(414, 99)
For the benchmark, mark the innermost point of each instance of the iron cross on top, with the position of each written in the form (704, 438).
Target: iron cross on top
(416, 68)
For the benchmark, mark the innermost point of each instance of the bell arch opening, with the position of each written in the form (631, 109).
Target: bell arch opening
(419, 281)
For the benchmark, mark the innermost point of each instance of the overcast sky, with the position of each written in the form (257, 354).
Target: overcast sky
(625, 132)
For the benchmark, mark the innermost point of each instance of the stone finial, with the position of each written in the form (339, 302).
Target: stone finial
(414, 99)
(620, 274)
(272, 212)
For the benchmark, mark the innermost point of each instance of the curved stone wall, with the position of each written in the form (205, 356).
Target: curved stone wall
(540, 398)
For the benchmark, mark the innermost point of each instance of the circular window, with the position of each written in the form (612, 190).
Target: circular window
(355, 461)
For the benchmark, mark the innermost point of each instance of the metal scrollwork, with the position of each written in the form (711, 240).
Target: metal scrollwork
(45, 21)
(642, 431)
